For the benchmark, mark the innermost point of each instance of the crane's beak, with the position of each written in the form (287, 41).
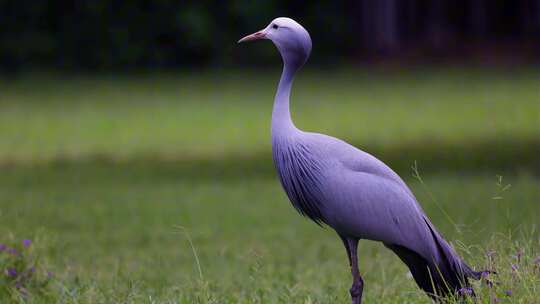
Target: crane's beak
(255, 36)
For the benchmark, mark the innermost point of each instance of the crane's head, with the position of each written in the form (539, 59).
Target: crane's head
(291, 39)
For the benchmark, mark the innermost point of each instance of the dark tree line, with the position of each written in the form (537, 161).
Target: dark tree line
(96, 34)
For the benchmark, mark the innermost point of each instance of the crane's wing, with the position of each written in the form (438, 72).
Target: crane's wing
(363, 197)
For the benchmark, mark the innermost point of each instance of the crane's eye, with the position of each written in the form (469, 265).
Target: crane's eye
(274, 26)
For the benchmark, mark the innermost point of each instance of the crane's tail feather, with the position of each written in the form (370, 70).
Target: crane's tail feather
(446, 274)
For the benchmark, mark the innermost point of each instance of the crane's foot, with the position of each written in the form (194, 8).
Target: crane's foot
(356, 291)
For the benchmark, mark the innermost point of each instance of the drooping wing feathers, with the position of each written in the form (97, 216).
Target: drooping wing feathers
(438, 278)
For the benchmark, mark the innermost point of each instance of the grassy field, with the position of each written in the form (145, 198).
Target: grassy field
(160, 188)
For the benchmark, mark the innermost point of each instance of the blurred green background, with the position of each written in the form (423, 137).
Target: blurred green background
(121, 122)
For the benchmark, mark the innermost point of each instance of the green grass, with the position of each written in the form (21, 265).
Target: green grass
(215, 113)
(113, 230)
(100, 172)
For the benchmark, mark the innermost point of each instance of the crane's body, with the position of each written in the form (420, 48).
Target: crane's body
(334, 183)
(322, 175)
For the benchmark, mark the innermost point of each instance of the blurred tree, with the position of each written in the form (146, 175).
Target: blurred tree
(108, 34)
(478, 17)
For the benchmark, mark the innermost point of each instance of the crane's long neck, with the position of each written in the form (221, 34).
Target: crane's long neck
(281, 116)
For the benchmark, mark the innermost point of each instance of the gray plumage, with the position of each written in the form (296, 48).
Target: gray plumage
(334, 183)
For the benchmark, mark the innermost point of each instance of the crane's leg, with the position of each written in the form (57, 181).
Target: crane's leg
(346, 244)
(351, 245)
